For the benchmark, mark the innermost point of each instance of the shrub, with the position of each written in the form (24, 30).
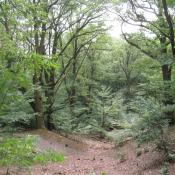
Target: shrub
(22, 152)
(98, 132)
(152, 125)
(122, 135)
(152, 128)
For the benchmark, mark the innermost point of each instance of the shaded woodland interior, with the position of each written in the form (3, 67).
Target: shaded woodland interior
(84, 91)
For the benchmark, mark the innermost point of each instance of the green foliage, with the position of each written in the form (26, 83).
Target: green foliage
(104, 104)
(37, 62)
(63, 122)
(87, 82)
(17, 113)
(119, 136)
(170, 3)
(22, 152)
(165, 169)
(49, 156)
(16, 151)
(103, 173)
(97, 132)
(151, 125)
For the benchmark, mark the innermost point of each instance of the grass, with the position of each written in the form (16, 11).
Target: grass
(49, 156)
(22, 152)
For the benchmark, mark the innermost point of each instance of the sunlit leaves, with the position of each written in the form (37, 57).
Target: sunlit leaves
(170, 3)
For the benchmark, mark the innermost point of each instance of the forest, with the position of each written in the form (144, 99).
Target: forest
(87, 87)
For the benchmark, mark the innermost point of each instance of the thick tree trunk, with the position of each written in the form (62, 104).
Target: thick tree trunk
(50, 83)
(50, 125)
(50, 95)
(38, 104)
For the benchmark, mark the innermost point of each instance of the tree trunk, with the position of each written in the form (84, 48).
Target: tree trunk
(166, 74)
(50, 95)
(168, 99)
(38, 105)
(50, 125)
(72, 91)
(50, 83)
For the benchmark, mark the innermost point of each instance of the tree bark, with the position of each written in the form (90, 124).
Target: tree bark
(38, 104)
(50, 86)
(50, 94)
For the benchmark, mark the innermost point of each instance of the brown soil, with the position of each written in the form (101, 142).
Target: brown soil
(93, 157)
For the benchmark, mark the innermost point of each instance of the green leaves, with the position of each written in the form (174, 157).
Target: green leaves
(170, 3)
(49, 156)
(39, 62)
(22, 152)
(15, 151)
(151, 125)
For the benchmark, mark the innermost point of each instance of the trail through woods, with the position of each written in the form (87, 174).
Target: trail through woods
(92, 157)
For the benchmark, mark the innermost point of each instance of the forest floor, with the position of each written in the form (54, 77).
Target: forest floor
(85, 156)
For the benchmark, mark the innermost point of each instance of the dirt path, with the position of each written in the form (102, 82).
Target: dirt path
(92, 157)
